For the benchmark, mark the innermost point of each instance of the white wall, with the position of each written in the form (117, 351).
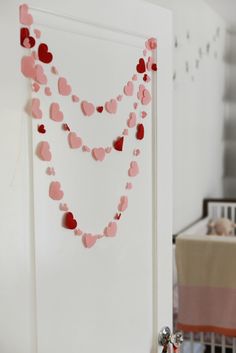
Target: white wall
(198, 107)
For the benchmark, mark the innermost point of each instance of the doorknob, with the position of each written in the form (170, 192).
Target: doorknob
(166, 338)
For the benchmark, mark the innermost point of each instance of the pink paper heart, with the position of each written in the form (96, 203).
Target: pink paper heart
(55, 113)
(43, 151)
(63, 87)
(50, 171)
(74, 140)
(89, 240)
(78, 232)
(63, 207)
(74, 98)
(108, 149)
(146, 99)
(111, 229)
(86, 149)
(123, 203)
(135, 105)
(54, 70)
(28, 66)
(47, 91)
(129, 88)
(149, 63)
(25, 17)
(98, 153)
(87, 108)
(126, 132)
(111, 106)
(151, 44)
(37, 33)
(35, 87)
(143, 114)
(134, 169)
(55, 191)
(40, 77)
(132, 120)
(129, 186)
(136, 152)
(119, 98)
(140, 92)
(35, 109)
(135, 77)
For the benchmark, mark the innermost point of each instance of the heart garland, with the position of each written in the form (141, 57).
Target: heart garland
(36, 72)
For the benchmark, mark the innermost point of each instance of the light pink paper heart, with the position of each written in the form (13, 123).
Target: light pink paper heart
(125, 132)
(146, 99)
(28, 66)
(37, 33)
(123, 203)
(63, 207)
(111, 106)
(149, 63)
(134, 169)
(78, 232)
(86, 149)
(111, 229)
(140, 92)
(129, 88)
(35, 87)
(74, 98)
(47, 91)
(135, 77)
(40, 77)
(119, 98)
(54, 70)
(43, 151)
(55, 191)
(25, 17)
(98, 153)
(132, 120)
(50, 171)
(89, 240)
(151, 44)
(64, 88)
(35, 109)
(143, 114)
(74, 140)
(87, 108)
(55, 113)
(129, 186)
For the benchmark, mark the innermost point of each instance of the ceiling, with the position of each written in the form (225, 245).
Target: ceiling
(227, 9)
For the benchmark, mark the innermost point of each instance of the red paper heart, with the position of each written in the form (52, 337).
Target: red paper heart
(145, 77)
(99, 109)
(44, 55)
(117, 216)
(154, 67)
(141, 67)
(69, 221)
(41, 129)
(25, 34)
(118, 144)
(140, 132)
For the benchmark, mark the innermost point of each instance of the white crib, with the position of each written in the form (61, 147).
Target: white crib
(206, 342)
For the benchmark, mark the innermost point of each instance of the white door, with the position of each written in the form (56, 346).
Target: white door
(109, 289)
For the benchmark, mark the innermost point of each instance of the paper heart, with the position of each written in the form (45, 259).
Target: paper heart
(86, 149)
(136, 152)
(35, 109)
(108, 150)
(54, 70)
(41, 129)
(118, 143)
(135, 77)
(129, 89)
(154, 67)
(87, 108)
(25, 39)
(140, 67)
(55, 113)
(40, 77)
(78, 232)
(123, 203)
(74, 140)
(111, 106)
(146, 78)
(140, 132)
(50, 171)
(135, 105)
(37, 33)
(98, 153)
(117, 216)
(119, 98)
(146, 99)
(28, 66)
(55, 191)
(63, 207)
(125, 132)
(134, 169)
(131, 122)
(111, 229)
(69, 221)
(99, 109)
(129, 186)
(64, 88)
(140, 91)
(74, 98)
(151, 44)
(143, 114)
(25, 17)
(43, 151)
(44, 55)
(35, 87)
(47, 91)
(149, 63)
(89, 240)
(65, 127)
